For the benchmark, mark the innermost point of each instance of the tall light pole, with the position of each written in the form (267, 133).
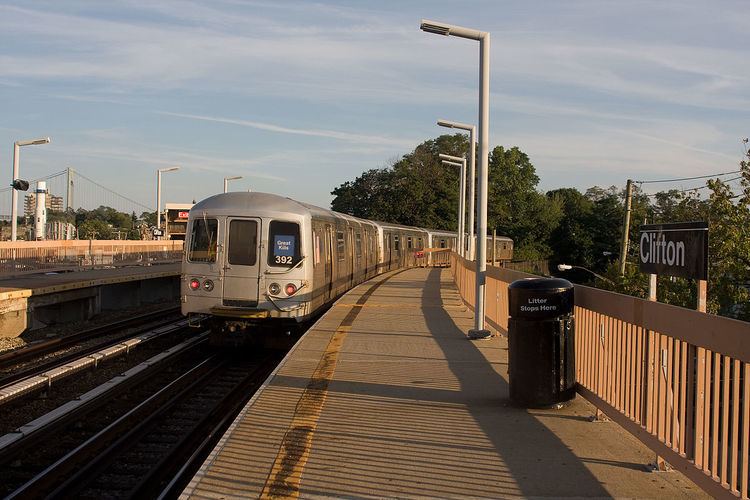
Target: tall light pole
(483, 37)
(227, 179)
(461, 203)
(472, 173)
(460, 162)
(158, 193)
(14, 192)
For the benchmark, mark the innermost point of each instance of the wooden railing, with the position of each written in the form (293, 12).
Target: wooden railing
(433, 257)
(23, 257)
(677, 379)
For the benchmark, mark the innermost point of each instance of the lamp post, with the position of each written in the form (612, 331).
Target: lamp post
(14, 192)
(460, 162)
(227, 179)
(483, 37)
(158, 194)
(461, 203)
(472, 173)
(567, 267)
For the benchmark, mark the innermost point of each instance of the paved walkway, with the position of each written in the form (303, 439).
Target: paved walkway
(386, 397)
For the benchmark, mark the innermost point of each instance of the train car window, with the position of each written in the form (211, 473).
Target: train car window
(283, 243)
(358, 244)
(396, 245)
(408, 242)
(340, 244)
(243, 242)
(419, 243)
(442, 243)
(316, 258)
(203, 240)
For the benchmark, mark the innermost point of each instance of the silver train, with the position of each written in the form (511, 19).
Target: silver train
(257, 264)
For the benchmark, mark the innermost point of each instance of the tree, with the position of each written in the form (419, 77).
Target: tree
(571, 241)
(416, 190)
(515, 208)
(94, 229)
(149, 218)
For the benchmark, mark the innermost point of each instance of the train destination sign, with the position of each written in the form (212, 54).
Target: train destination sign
(679, 249)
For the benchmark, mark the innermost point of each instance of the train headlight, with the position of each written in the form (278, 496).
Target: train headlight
(274, 289)
(290, 289)
(194, 284)
(208, 285)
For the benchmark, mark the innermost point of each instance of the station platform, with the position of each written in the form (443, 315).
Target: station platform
(32, 300)
(385, 396)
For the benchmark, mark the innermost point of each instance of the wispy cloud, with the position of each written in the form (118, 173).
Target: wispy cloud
(329, 134)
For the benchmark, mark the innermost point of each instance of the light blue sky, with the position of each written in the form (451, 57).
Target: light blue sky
(299, 97)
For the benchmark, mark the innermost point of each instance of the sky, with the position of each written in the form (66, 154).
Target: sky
(298, 97)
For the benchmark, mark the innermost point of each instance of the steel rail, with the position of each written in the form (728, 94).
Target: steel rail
(27, 381)
(38, 349)
(201, 440)
(41, 428)
(62, 474)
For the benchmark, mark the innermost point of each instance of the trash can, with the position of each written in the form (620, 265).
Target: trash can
(541, 349)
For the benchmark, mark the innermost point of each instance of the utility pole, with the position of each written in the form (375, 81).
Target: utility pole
(626, 226)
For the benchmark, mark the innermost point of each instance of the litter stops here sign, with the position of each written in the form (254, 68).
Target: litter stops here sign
(678, 249)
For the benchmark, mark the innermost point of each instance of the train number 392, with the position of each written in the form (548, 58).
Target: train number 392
(283, 259)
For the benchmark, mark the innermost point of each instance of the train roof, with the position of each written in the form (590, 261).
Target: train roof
(262, 203)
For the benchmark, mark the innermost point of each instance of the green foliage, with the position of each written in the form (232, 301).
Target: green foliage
(515, 208)
(571, 241)
(416, 190)
(565, 225)
(149, 218)
(94, 229)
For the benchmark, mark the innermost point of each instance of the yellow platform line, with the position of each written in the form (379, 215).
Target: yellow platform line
(286, 472)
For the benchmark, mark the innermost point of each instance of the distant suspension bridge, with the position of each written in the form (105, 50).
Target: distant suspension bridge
(73, 190)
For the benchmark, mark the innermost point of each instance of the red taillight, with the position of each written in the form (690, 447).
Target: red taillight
(195, 284)
(290, 289)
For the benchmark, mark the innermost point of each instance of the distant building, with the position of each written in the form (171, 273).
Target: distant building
(176, 215)
(54, 203)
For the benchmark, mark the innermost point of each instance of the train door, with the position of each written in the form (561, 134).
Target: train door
(350, 245)
(388, 248)
(329, 262)
(241, 266)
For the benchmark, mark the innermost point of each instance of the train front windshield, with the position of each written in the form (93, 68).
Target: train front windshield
(203, 240)
(284, 244)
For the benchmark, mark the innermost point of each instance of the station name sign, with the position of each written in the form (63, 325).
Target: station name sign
(679, 249)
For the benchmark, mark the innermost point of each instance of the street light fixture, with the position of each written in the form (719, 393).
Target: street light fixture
(158, 195)
(461, 202)
(472, 173)
(14, 196)
(227, 179)
(567, 267)
(479, 331)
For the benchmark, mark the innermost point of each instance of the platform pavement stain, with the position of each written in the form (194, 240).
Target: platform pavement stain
(286, 472)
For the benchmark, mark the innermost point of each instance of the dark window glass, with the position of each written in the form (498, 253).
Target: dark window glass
(283, 244)
(243, 242)
(396, 245)
(340, 244)
(203, 240)
(408, 242)
(358, 244)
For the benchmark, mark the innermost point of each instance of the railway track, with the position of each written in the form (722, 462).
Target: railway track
(44, 373)
(177, 407)
(22, 362)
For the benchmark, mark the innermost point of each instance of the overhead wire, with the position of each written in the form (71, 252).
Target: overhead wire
(689, 178)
